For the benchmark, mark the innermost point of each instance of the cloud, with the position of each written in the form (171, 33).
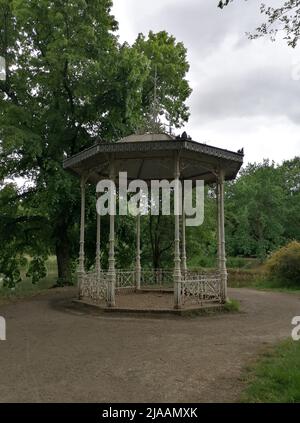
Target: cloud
(260, 90)
(245, 93)
(200, 24)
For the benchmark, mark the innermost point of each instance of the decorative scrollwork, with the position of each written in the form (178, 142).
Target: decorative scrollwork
(125, 278)
(197, 288)
(93, 286)
(156, 277)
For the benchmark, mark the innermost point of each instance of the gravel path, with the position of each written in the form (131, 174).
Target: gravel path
(54, 353)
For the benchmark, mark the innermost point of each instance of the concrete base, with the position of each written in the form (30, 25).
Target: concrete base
(193, 310)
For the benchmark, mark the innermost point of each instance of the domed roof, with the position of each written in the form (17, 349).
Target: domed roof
(147, 137)
(151, 156)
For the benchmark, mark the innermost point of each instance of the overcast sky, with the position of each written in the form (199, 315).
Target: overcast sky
(245, 93)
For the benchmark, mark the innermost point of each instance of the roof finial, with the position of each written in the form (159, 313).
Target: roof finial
(154, 111)
(151, 122)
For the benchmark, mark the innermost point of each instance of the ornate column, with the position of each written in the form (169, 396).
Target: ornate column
(80, 272)
(138, 252)
(111, 255)
(183, 243)
(98, 250)
(218, 224)
(221, 242)
(177, 271)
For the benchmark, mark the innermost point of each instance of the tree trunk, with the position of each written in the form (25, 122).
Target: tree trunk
(63, 259)
(156, 257)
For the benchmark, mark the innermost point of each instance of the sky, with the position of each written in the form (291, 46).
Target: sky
(246, 93)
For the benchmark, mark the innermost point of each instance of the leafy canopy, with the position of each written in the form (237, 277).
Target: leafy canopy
(69, 83)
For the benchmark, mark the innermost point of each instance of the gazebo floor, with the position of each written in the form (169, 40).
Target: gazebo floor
(155, 301)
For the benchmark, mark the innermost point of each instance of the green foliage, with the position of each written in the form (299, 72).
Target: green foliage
(22, 232)
(290, 182)
(262, 208)
(68, 84)
(232, 305)
(283, 19)
(241, 262)
(168, 62)
(10, 268)
(201, 241)
(37, 269)
(25, 288)
(284, 264)
(10, 239)
(157, 241)
(275, 378)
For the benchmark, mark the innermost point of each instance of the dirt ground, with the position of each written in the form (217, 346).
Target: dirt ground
(55, 353)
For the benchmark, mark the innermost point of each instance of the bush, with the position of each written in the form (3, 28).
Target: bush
(284, 264)
(37, 269)
(10, 265)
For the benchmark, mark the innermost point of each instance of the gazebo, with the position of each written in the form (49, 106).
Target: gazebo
(147, 157)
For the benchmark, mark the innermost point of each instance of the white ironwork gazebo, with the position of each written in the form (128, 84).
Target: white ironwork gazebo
(148, 157)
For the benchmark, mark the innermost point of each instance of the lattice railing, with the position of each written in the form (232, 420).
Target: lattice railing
(157, 277)
(93, 286)
(197, 288)
(125, 278)
(198, 273)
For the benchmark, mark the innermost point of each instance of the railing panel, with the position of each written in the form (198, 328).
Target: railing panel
(158, 277)
(93, 286)
(198, 288)
(125, 278)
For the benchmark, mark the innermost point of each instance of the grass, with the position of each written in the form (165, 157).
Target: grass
(26, 288)
(268, 285)
(232, 306)
(275, 378)
(255, 278)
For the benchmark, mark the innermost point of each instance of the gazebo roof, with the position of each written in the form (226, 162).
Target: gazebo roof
(151, 156)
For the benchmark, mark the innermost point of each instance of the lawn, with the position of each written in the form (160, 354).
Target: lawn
(26, 288)
(275, 378)
(255, 278)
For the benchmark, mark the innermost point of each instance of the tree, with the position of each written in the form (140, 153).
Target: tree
(201, 241)
(285, 18)
(255, 209)
(48, 101)
(69, 82)
(262, 208)
(290, 182)
(283, 265)
(168, 69)
(22, 232)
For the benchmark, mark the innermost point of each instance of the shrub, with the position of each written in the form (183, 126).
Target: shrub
(284, 264)
(37, 269)
(10, 265)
